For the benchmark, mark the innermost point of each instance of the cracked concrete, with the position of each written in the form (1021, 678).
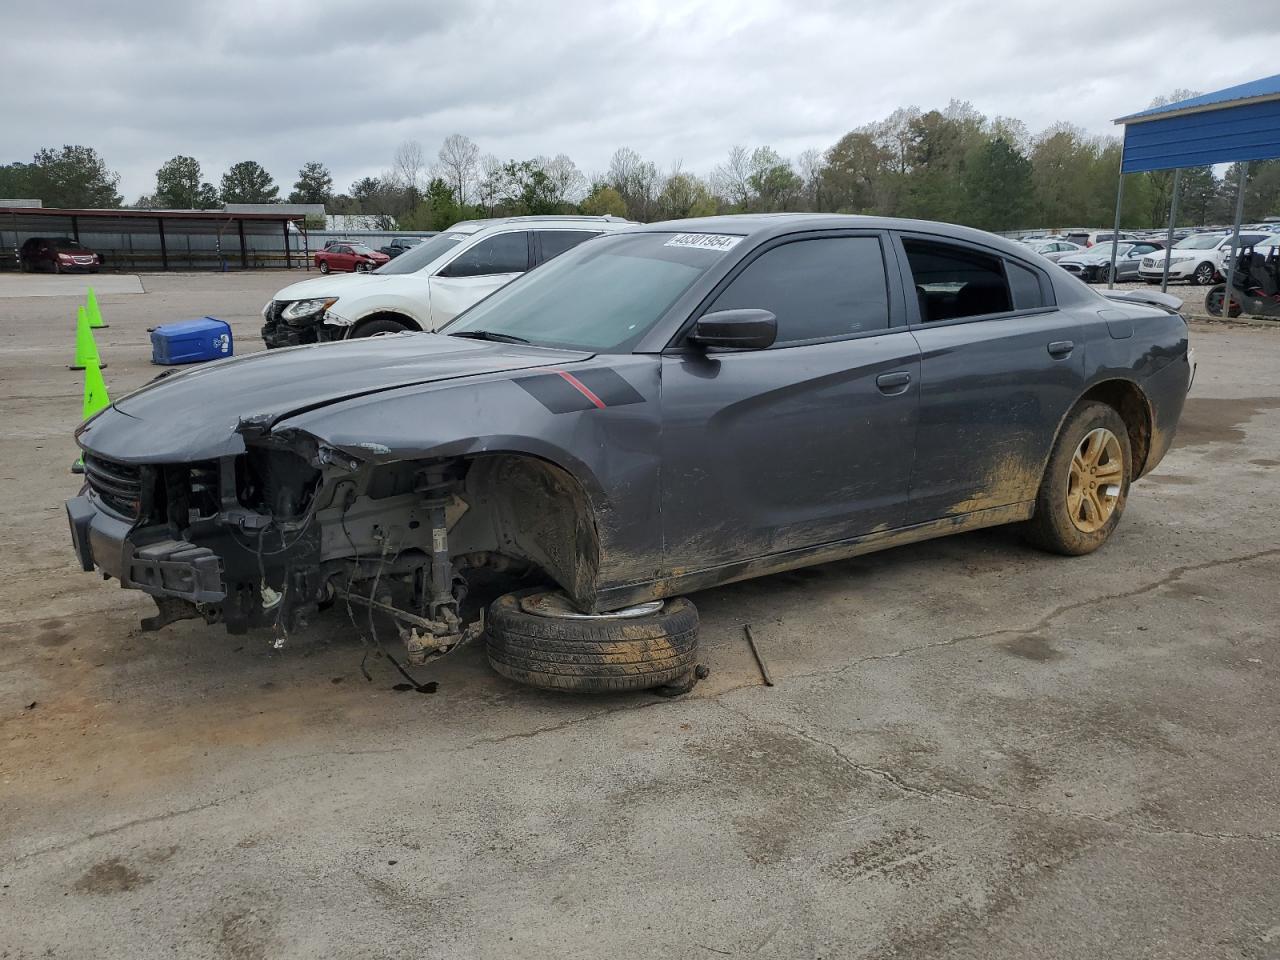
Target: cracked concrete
(973, 750)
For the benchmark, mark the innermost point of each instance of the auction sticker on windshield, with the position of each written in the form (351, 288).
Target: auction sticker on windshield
(704, 241)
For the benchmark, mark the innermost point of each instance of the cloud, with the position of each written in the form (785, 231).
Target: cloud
(345, 82)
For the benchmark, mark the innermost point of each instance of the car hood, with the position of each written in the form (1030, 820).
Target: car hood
(1088, 259)
(194, 415)
(335, 285)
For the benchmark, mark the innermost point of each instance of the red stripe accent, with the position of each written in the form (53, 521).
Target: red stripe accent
(581, 387)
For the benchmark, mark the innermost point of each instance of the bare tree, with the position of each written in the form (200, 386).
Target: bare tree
(408, 165)
(459, 159)
(636, 180)
(491, 183)
(568, 185)
(732, 179)
(809, 167)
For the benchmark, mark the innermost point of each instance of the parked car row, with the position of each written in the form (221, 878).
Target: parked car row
(1200, 258)
(426, 285)
(1197, 257)
(1094, 265)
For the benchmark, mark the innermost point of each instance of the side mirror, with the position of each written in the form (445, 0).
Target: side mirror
(748, 329)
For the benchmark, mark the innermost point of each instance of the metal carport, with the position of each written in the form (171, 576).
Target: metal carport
(163, 239)
(1234, 125)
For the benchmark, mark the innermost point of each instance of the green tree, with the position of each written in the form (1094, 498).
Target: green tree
(74, 176)
(247, 182)
(438, 209)
(604, 201)
(775, 185)
(314, 184)
(525, 189)
(1060, 160)
(854, 173)
(935, 152)
(1197, 195)
(179, 186)
(997, 187)
(684, 195)
(15, 181)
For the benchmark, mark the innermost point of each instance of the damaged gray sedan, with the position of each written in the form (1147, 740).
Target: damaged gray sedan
(652, 413)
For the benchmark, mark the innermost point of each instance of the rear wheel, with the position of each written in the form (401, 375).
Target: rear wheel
(1085, 484)
(1204, 274)
(324, 266)
(538, 638)
(1213, 301)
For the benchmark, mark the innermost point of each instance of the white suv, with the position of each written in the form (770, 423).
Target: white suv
(427, 286)
(1199, 258)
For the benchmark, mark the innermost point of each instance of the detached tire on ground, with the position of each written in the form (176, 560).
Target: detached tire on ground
(593, 655)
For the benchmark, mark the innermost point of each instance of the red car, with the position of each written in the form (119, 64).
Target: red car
(345, 257)
(57, 254)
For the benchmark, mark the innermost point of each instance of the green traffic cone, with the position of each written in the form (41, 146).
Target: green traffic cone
(95, 315)
(95, 391)
(86, 349)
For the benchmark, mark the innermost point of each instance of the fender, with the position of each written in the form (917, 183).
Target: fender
(607, 443)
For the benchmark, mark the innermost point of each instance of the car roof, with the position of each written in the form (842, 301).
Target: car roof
(474, 226)
(763, 226)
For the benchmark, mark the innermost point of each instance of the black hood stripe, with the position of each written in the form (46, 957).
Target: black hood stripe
(563, 392)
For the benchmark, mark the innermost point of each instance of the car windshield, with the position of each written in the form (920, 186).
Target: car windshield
(1104, 250)
(1199, 241)
(361, 248)
(413, 260)
(66, 243)
(602, 296)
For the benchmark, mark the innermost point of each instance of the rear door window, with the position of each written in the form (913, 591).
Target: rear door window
(818, 289)
(552, 243)
(1024, 283)
(954, 281)
(504, 253)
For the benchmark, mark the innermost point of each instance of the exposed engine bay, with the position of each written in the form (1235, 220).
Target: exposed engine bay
(269, 537)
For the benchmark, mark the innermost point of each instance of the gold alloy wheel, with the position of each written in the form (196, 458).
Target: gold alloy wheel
(1093, 488)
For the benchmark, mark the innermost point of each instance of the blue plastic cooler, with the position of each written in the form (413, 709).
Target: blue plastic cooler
(191, 341)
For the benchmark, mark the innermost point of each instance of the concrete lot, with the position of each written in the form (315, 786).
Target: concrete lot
(973, 750)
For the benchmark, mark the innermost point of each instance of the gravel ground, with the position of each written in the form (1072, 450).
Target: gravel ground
(972, 750)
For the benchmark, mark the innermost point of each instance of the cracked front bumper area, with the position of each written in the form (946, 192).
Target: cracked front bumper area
(163, 567)
(281, 334)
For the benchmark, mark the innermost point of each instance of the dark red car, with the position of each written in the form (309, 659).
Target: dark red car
(58, 254)
(344, 257)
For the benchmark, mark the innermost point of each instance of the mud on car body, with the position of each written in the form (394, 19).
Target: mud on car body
(658, 411)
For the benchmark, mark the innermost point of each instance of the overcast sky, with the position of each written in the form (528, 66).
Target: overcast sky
(345, 82)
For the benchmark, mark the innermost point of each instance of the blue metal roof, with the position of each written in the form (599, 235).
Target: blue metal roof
(1236, 124)
(1266, 88)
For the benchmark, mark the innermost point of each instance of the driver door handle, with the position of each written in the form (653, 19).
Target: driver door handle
(1061, 348)
(892, 384)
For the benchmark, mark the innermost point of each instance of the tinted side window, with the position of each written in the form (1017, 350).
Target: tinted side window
(953, 281)
(828, 287)
(505, 253)
(556, 242)
(1025, 285)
